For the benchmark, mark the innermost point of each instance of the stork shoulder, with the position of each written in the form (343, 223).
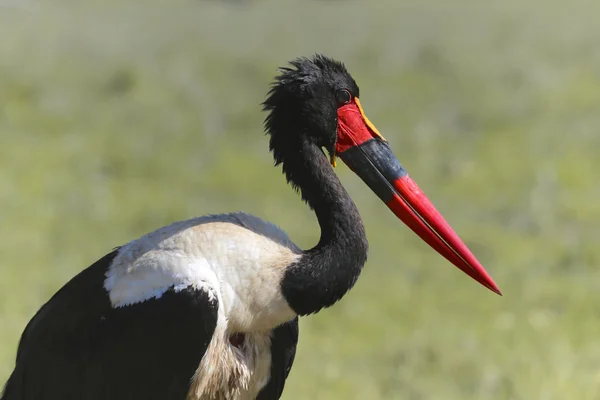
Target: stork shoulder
(237, 258)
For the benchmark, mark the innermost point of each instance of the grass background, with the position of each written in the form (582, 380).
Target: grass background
(119, 117)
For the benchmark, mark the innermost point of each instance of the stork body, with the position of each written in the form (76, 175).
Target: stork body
(208, 308)
(154, 319)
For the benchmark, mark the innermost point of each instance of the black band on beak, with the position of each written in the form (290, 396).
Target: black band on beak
(374, 162)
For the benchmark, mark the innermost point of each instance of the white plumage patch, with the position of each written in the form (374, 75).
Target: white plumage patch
(239, 268)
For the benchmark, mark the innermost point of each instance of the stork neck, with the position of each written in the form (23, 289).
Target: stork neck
(325, 273)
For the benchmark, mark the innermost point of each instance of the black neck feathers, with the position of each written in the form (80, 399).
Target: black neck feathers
(302, 120)
(325, 273)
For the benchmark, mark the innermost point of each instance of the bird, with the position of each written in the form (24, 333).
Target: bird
(209, 307)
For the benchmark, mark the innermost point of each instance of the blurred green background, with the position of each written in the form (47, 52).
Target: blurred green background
(120, 117)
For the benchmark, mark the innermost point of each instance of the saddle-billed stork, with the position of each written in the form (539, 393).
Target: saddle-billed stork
(208, 308)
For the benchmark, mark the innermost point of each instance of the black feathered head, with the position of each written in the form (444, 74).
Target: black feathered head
(304, 100)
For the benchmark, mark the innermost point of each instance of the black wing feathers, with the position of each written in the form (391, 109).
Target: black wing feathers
(78, 347)
(283, 351)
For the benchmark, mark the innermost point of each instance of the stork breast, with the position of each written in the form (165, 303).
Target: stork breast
(242, 268)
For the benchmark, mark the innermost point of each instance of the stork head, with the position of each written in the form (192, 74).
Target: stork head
(319, 97)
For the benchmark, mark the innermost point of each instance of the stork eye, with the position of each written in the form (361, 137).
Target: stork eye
(342, 97)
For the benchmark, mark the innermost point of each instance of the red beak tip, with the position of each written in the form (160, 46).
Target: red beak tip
(490, 284)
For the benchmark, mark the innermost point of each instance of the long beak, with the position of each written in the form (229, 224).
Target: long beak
(367, 153)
